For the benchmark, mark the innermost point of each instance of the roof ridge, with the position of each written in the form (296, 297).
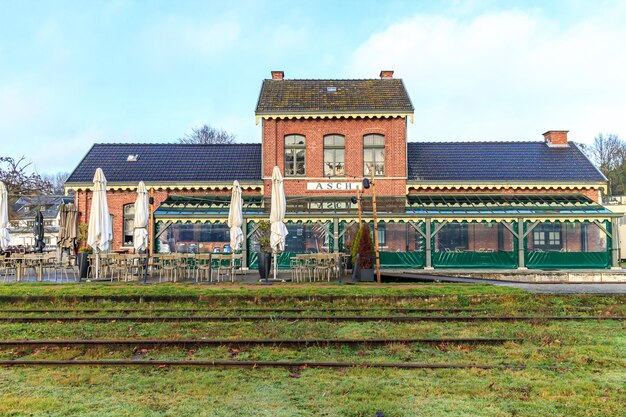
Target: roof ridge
(468, 142)
(334, 79)
(171, 144)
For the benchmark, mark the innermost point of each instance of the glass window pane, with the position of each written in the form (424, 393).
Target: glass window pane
(329, 162)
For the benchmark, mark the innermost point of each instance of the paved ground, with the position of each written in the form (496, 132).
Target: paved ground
(606, 288)
(590, 288)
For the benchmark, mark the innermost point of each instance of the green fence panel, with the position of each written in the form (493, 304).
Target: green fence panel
(401, 260)
(499, 260)
(563, 260)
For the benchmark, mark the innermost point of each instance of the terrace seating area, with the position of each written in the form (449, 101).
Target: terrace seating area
(42, 266)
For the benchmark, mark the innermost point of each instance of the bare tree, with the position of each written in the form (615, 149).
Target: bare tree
(608, 153)
(18, 178)
(57, 181)
(20, 181)
(207, 134)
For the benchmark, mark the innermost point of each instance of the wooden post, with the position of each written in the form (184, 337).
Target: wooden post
(375, 226)
(358, 200)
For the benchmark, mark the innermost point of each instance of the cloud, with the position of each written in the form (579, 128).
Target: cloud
(506, 75)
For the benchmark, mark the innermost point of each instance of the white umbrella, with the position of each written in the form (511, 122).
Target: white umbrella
(235, 218)
(140, 241)
(277, 215)
(100, 233)
(4, 217)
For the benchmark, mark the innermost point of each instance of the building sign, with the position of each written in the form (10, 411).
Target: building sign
(333, 186)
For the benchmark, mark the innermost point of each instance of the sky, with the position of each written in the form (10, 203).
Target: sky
(74, 73)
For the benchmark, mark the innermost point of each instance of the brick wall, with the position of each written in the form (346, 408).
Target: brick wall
(353, 129)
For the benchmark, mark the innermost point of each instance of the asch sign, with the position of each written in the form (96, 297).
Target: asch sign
(333, 186)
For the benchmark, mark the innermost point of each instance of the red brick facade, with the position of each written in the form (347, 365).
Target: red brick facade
(353, 129)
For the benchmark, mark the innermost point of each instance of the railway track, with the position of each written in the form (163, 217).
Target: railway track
(251, 342)
(163, 319)
(269, 310)
(261, 364)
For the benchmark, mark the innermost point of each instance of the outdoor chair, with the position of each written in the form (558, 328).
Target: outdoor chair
(169, 267)
(8, 267)
(61, 268)
(203, 267)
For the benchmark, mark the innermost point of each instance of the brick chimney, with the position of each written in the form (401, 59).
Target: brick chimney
(278, 75)
(556, 138)
(386, 75)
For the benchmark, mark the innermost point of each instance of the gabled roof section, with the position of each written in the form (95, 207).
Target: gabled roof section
(498, 162)
(170, 162)
(375, 97)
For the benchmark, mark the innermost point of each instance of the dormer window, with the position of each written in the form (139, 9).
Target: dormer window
(132, 158)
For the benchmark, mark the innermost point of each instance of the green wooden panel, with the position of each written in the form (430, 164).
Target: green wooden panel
(564, 260)
(401, 260)
(499, 260)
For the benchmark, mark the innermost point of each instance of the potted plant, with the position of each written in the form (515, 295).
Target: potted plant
(348, 241)
(264, 254)
(365, 250)
(82, 258)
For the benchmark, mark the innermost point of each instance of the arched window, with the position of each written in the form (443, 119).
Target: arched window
(295, 155)
(334, 156)
(374, 155)
(129, 224)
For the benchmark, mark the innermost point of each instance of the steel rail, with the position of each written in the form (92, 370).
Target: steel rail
(244, 309)
(265, 364)
(164, 319)
(251, 342)
(276, 310)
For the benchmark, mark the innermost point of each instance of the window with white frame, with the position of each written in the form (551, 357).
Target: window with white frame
(374, 155)
(129, 224)
(295, 156)
(334, 156)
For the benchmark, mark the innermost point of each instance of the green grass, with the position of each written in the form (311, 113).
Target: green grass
(590, 355)
(109, 289)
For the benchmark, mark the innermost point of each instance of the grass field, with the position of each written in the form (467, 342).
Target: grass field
(576, 368)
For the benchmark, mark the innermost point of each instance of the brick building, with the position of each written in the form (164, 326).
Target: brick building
(532, 204)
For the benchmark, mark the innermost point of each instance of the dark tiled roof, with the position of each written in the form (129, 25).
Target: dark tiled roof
(26, 207)
(351, 96)
(498, 161)
(169, 162)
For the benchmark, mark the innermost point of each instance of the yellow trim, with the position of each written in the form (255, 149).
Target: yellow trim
(175, 186)
(332, 115)
(477, 185)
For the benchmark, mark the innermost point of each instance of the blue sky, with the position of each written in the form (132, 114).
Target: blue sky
(77, 72)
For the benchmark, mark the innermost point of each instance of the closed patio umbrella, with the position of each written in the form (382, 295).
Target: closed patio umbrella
(140, 241)
(4, 217)
(235, 218)
(140, 225)
(38, 230)
(68, 227)
(277, 215)
(99, 233)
